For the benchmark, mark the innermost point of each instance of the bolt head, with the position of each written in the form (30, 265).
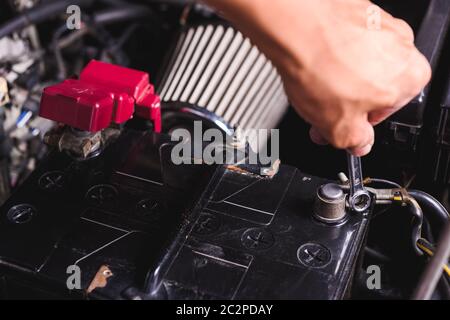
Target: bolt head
(257, 239)
(331, 191)
(314, 255)
(207, 224)
(102, 194)
(21, 213)
(148, 209)
(52, 181)
(360, 202)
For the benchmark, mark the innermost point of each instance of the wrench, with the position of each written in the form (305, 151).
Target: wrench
(359, 199)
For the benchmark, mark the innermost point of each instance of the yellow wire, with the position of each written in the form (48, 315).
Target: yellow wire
(431, 253)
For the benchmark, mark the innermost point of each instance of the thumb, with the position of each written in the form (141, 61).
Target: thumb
(317, 137)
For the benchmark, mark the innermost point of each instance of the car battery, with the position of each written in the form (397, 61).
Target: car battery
(132, 228)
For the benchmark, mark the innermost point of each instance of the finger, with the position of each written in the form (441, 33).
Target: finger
(316, 137)
(378, 116)
(364, 141)
(415, 78)
(404, 30)
(361, 152)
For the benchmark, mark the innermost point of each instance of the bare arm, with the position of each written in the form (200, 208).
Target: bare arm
(346, 64)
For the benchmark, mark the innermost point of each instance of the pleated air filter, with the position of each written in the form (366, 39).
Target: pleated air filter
(217, 75)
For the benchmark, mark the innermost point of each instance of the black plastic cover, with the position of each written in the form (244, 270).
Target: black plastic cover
(406, 124)
(256, 238)
(247, 237)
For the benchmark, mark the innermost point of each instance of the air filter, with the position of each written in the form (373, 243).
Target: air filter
(217, 75)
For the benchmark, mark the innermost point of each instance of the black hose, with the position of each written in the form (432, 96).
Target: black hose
(53, 8)
(116, 3)
(444, 287)
(122, 14)
(431, 206)
(377, 255)
(38, 14)
(433, 271)
(416, 211)
(94, 25)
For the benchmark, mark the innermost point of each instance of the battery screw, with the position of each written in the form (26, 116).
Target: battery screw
(147, 208)
(207, 224)
(257, 239)
(314, 255)
(21, 213)
(101, 194)
(52, 181)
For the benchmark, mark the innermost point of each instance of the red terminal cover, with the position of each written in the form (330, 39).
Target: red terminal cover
(104, 93)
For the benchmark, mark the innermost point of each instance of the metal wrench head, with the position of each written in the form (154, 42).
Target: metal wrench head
(359, 198)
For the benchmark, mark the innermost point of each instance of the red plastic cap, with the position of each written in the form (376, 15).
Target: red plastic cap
(85, 106)
(116, 78)
(149, 107)
(135, 83)
(104, 93)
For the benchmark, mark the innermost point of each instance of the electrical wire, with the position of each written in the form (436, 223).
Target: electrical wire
(427, 247)
(416, 211)
(439, 258)
(431, 205)
(425, 200)
(433, 271)
(417, 201)
(382, 181)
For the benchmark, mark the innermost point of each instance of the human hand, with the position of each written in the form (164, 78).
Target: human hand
(346, 64)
